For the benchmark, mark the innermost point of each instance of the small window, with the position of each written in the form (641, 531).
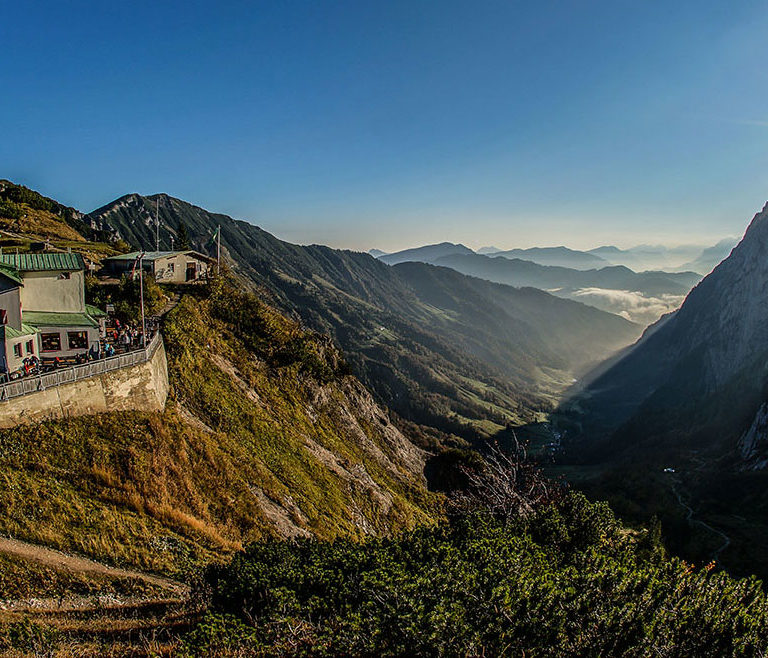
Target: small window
(3, 316)
(17, 349)
(50, 342)
(170, 267)
(30, 347)
(64, 275)
(78, 340)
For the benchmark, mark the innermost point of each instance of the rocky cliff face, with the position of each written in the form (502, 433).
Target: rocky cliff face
(699, 377)
(753, 444)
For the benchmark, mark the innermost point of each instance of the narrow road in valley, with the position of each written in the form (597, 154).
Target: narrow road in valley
(694, 521)
(59, 560)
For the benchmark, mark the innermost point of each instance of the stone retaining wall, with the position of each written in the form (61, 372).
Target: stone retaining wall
(143, 387)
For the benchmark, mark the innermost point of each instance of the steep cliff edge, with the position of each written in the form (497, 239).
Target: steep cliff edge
(698, 379)
(677, 426)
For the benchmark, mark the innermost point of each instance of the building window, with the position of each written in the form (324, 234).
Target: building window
(30, 347)
(50, 342)
(170, 267)
(64, 275)
(78, 340)
(17, 349)
(3, 316)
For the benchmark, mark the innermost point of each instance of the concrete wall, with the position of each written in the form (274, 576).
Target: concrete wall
(141, 388)
(45, 291)
(9, 300)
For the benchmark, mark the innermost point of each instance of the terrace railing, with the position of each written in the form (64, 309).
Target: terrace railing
(37, 383)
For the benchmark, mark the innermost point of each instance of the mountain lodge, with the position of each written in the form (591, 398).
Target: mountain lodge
(166, 266)
(43, 313)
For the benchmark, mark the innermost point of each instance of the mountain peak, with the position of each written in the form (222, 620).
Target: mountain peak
(426, 254)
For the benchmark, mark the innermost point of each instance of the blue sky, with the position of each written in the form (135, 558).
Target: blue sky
(389, 124)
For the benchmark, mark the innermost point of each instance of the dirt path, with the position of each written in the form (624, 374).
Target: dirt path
(170, 304)
(60, 560)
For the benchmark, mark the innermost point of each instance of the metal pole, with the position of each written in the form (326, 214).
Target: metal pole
(218, 249)
(141, 294)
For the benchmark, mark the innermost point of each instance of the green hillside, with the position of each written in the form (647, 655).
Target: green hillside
(264, 435)
(27, 217)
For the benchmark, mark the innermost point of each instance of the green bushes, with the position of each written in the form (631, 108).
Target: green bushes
(125, 297)
(271, 335)
(9, 209)
(567, 581)
(20, 194)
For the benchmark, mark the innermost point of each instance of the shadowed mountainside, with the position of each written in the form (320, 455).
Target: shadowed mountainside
(698, 376)
(460, 355)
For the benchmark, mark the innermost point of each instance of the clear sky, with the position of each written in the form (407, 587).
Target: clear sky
(393, 123)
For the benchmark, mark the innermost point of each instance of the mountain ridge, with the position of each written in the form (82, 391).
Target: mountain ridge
(431, 365)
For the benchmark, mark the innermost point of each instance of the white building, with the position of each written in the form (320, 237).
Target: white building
(166, 266)
(42, 309)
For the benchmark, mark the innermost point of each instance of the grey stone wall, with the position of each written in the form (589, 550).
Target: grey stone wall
(142, 388)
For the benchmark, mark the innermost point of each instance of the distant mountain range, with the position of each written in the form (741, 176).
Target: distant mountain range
(556, 256)
(711, 257)
(427, 254)
(642, 297)
(684, 258)
(450, 352)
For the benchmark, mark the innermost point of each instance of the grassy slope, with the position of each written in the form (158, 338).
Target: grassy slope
(225, 463)
(35, 218)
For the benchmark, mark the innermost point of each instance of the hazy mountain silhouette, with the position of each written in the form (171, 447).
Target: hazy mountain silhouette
(426, 254)
(711, 257)
(642, 297)
(557, 256)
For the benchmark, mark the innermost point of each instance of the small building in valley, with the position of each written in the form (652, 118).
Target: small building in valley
(43, 313)
(166, 266)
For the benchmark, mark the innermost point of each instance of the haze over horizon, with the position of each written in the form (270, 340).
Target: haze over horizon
(366, 125)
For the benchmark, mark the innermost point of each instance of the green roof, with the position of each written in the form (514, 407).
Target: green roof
(51, 319)
(95, 311)
(43, 262)
(9, 332)
(156, 255)
(11, 273)
(148, 255)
